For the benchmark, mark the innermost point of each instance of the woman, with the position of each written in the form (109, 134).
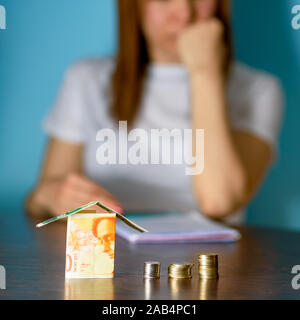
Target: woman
(174, 69)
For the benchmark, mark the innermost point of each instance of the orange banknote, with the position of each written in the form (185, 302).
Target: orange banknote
(90, 247)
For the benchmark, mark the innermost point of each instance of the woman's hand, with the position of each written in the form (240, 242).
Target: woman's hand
(201, 46)
(61, 195)
(61, 186)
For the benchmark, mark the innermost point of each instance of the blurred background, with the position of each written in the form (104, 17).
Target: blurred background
(44, 37)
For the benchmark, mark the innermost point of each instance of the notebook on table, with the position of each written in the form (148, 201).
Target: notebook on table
(176, 227)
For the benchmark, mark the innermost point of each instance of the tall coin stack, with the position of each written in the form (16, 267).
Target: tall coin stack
(151, 269)
(208, 266)
(180, 270)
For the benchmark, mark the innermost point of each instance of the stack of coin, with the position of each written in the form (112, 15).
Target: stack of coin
(180, 270)
(208, 266)
(151, 269)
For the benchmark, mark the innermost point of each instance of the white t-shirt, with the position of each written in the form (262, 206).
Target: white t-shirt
(82, 109)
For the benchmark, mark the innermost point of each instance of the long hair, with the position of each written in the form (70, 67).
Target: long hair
(132, 59)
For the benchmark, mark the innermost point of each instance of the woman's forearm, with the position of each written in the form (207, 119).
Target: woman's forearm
(221, 186)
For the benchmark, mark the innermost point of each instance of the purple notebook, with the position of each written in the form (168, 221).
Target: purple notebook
(176, 227)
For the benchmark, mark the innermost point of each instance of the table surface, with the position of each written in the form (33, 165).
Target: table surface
(256, 267)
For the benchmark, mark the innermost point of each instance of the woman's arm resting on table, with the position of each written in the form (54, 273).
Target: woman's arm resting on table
(62, 186)
(234, 161)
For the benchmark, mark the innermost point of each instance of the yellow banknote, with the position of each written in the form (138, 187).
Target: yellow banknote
(90, 247)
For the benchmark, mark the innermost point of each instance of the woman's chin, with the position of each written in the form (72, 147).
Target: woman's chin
(172, 56)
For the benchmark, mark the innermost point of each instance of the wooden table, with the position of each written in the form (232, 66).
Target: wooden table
(256, 267)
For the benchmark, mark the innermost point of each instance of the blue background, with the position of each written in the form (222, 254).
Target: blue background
(44, 37)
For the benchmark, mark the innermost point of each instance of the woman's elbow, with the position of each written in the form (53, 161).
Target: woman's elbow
(217, 207)
(224, 201)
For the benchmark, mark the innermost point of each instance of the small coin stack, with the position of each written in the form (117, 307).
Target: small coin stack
(180, 270)
(208, 266)
(151, 269)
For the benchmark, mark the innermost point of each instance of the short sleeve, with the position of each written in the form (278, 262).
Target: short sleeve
(66, 119)
(258, 106)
